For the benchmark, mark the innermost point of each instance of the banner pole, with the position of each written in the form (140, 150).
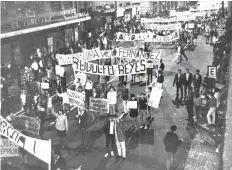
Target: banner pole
(49, 164)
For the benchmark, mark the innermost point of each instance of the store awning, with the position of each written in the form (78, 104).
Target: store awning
(40, 28)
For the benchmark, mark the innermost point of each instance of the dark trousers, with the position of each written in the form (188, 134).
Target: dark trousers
(88, 94)
(110, 142)
(186, 87)
(183, 54)
(207, 39)
(189, 105)
(149, 75)
(84, 136)
(36, 75)
(179, 87)
(196, 90)
(42, 122)
(121, 79)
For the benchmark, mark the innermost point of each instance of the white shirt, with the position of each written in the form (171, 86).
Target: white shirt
(23, 98)
(62, 123)
(112, 127)
(88, 85)
(187, 76)
(112, 97)
(35, 66)
(179, 49)
(40, 63)
(49, 105)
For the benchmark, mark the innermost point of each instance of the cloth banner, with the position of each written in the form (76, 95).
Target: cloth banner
(99, 105)
(39, 148)
(8, 148)
(137, 54)
(154, 26)
(155, 97)
(132, 104)
(59, 70)
(148, 37)
(29, 124)
(136, 67)
(88, 55)
(76, 99)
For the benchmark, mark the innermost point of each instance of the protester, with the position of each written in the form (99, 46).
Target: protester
(212, 104)
(125, 96)
(171, 142)
(65, 101)
(88, 90)
(190, 104)
(178, 81)
(23, 98)
(58, 162)
(61, 126)
(41, 114)
(150, 71)
(161, 65)
(197, 81)
(133, 111)
(188, 78)
(112, 97)
(143, 110)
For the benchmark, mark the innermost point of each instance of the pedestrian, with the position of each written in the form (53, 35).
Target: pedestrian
(110, 135)
(95, 95)
(27, 79)
(181, 52)
(143, 110)
(58, 162)
(156, 71)
(49, 105)
(83, 124)
(65, 101)
(23, 98)
(133, 112)
(41, 114)
(125, 96)
(160, 80)
(178, 81)
(120, 137)
(77, 83)
(207, 36)
(171, 142)
(88, 90)
(161, 65)
(112, 97)
(212, 104)
(35, 67)
(197, 81)
(188, 78)
(61, 126)
(150, 67)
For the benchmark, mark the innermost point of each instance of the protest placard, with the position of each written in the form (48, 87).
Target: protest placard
(29, 124)
(59, 70)
(132, 104)
(8, 148)
(155, 97)
(76, 99)
(99, 105)
(64, 59)
(150, 65)
(32, 145)
(45, 86)
(136, 67)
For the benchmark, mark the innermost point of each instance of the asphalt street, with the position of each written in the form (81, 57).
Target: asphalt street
(145, 148)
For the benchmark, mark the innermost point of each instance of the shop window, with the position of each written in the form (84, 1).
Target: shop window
(4, 8)
(56, 5)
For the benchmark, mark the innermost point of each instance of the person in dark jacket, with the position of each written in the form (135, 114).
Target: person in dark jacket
(188, 79)
(197, 81)
(58, 162)
(171, 142)
(178, 81)
(150, 67)
(190, 104)
(161, 65)
(110, 135)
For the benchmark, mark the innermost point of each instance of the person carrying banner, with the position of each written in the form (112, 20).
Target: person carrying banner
(134, 112)
(150, 71)
(112, 97)
(143, 110)
(160, 79)
(61, 126)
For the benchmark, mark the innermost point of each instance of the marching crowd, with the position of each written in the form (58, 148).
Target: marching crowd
(200, 98)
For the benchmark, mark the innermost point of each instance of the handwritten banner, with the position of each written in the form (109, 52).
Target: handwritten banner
(136, 67)
(132, 104)
(76, 99)
(32, 145)
(29, 124)
(148, 37)
(99, 105)
(155, 97)
(8, 148)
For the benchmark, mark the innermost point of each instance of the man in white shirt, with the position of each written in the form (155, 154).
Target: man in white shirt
(23, 98)
(112, 97)
(35, 68)
(88, 90)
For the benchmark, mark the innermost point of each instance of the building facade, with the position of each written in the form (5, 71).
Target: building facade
(27, 25)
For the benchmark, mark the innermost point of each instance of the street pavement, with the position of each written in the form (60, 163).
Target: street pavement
(145, 148)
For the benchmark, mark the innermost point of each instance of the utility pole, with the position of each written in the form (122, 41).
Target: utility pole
(116, 9)
(223, 10)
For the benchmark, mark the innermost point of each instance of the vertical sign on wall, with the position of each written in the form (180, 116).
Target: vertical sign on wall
(76, 34)
(212, 72)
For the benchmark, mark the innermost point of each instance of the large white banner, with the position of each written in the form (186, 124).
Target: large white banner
(88, 55)
(135, 67)
(154, 26)
(8, 148)
(39, 148)
(76, 99)
(148, 37)
(155, 97)
(137, 54)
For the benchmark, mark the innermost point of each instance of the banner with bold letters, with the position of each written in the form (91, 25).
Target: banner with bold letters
(135, 67)
(29, 124)
(147, 37)
(76, 99)
(8, 148)
(155, 97)
(32, 145)
(99, 105)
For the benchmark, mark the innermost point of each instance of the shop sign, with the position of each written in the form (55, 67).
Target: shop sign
(28, 23)
(212, 72)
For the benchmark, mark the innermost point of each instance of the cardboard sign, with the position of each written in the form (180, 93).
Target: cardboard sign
(155, 97)
(59, 70)
(132, 104)
(76, 99)
(191, 25)
(111, 70)
(39, 148)
(45, 86)
(212, 72)
(99, 105)
(150, 65)
(29, 124)
(8, 148)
